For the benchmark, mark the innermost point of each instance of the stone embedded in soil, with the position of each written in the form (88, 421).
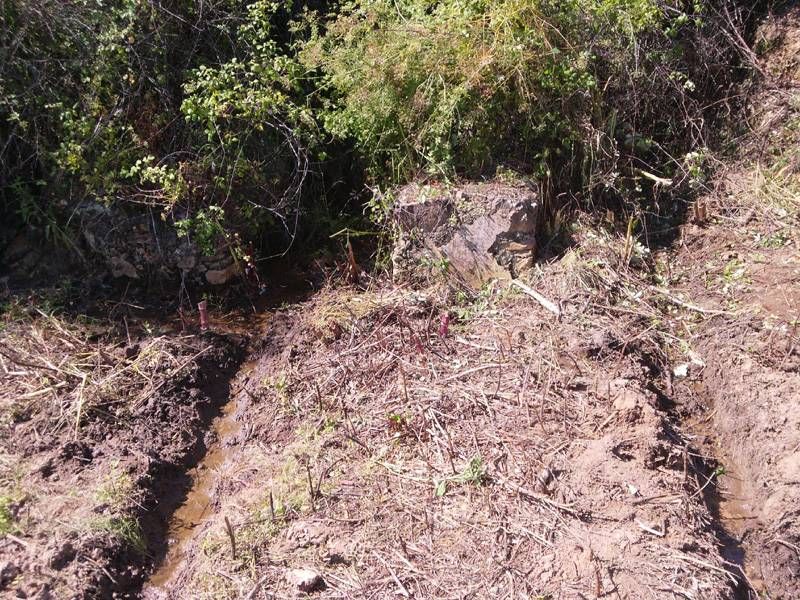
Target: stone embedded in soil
(8, 572)
(337, 553)
(303, 534)
(136, 246)
(222, 276)
(477, 232)
(305, 580)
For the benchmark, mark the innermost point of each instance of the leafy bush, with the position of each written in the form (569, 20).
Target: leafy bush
(255, 109)
(91, 103)
(559, 88)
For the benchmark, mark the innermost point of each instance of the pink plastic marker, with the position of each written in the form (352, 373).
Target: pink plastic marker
(203, 308)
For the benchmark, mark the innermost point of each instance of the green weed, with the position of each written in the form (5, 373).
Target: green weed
(117, 490)
(7, 522)
(473, 474)
(126, 529)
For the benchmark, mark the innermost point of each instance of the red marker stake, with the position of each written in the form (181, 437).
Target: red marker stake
(444, 327)
(203, 308)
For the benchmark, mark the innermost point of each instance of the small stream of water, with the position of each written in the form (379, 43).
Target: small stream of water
(196, 509)
(730, 501)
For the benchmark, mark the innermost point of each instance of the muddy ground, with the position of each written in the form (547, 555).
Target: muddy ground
(97, 437)
(380, 440)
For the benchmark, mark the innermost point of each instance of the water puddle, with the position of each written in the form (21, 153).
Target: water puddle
(736, 510)
(730, 501)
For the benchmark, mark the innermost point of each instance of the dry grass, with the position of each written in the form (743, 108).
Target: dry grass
(72, 370)
(84, 411)
(497, 460)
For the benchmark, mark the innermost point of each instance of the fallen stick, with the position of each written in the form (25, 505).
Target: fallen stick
(22, 543)
(701, 563)
(255, 589)
(470, 371)
(537, 296)
(41, 392)
(687, 305)
(649, 529)
(533, 495)
(232, 537)
(403, 590)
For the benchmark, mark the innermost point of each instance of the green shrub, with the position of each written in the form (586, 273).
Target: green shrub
(569, 90)
(91, 98)
(242, 106)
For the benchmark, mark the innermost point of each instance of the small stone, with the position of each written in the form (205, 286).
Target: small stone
(306, 580)
(222, 276)
(122, 268)
(186, 257)
(337, 553)
(545, 475)
(697, 360)
(628, 400)
(681, 371)
(8, 572)
(60, 556)
(302, 534)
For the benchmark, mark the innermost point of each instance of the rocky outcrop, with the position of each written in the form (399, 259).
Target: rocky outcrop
(142, 245)
(477, 232)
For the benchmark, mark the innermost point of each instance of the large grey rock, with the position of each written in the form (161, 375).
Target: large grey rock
(477, 232)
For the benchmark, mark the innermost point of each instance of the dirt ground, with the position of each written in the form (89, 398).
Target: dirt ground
(642, 444)
(745, 264)
(639, 438)
(515, 456)
(97, 435)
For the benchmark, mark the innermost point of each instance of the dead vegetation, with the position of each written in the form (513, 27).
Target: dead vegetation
(447, 445)
(74, 371)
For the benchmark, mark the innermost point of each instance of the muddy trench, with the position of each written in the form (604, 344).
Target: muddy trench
(729, 493)
(718, 480)
(192, 507)
(184, 498)
(723, 490)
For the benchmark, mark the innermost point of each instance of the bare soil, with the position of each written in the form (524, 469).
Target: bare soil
(97, 436)
(745, 263)
(514, 454)
(749, 388)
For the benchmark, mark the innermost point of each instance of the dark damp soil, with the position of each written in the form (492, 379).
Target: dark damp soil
(115, 482)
